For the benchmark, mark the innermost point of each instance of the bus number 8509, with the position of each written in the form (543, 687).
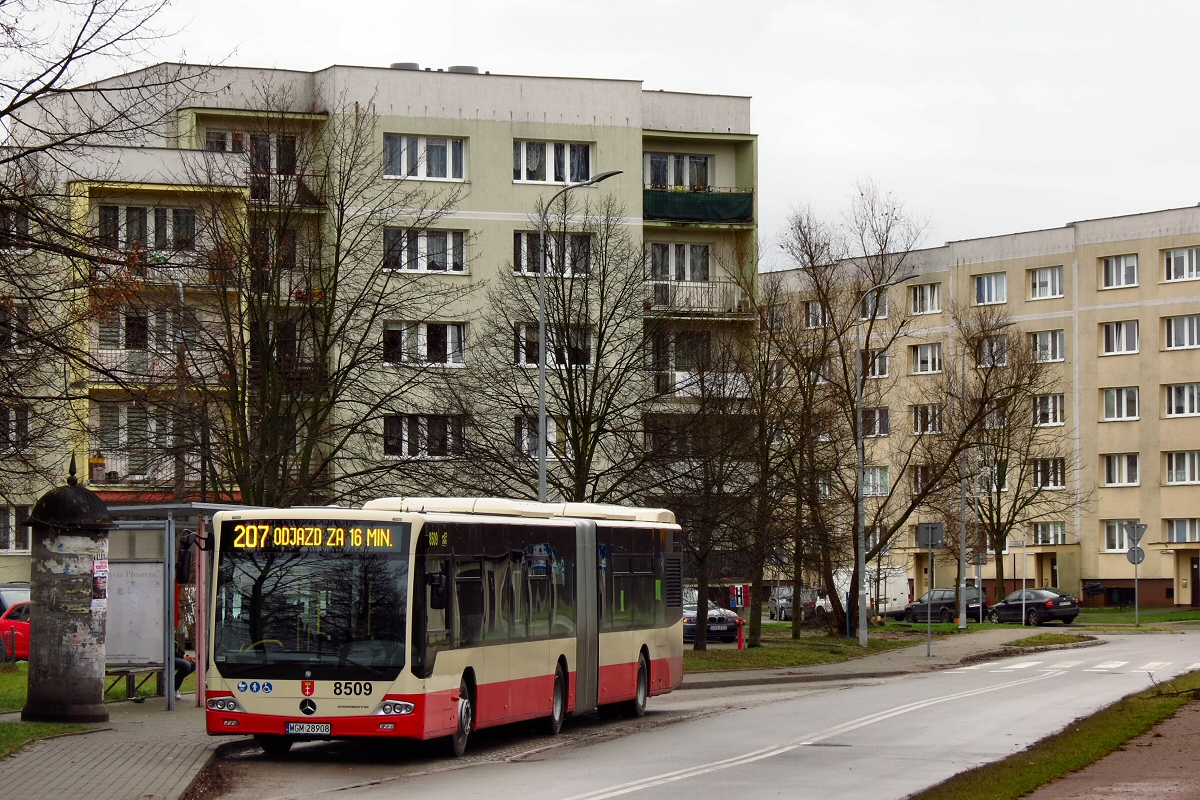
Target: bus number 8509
(351, 688)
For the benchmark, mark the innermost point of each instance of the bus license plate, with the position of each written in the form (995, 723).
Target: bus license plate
(309, 728)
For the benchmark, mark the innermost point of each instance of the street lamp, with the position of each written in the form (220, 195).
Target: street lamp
(861, 561)
(542, 444)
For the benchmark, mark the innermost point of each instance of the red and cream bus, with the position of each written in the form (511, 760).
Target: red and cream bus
(424, 618)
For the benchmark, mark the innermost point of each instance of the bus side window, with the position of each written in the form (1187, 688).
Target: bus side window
(537, 587)
(437, 631)
(468, 582)
(499, 595)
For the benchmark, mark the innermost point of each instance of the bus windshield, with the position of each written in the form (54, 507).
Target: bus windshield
(311, 599)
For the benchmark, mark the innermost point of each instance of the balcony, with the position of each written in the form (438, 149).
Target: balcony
(730, 385)
(141, 367)
(711, 205)
(687, 298)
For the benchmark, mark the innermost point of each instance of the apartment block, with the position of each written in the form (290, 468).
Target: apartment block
(499, 144)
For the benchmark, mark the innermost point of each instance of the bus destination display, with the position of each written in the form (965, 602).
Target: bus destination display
(310, 535)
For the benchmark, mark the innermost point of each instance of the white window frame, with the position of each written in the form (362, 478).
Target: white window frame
(412, 253)
(925, 298)
(1045, 283)
(876, 481)
(1049, 533)
(231, 141)
(1049, 410)
(9, 519)
(521, 150)
(1118, 402)
(927, 419)
(1182, 264)
(1183, 531)
(1115, 539)
(419, 450)
(927, 358)
(876, 422)
(527, 435)
(1122, 469)
(686, 261)
(528, 259)
(1182, 332)
(1119, 272)
(677, 162)
(875, 362)
(1120, 337)
(873, 305)
(412, 152)
(14, 329)
(1185, 397)
(1183, 467)
(816, 315)
(525, 334)
(156, 223)
(991, 289)
(993, 351)
(415, 348)
(1048, 346)
(1049, 473)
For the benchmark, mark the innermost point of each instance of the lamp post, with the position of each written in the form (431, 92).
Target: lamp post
(542, 444)
(861, 560)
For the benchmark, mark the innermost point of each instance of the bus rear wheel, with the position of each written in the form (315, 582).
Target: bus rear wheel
(632, 709)
(457, 745)
(552, 724)
(273, 745)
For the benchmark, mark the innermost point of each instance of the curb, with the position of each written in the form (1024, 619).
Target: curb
(221, 749)
(1009, 652)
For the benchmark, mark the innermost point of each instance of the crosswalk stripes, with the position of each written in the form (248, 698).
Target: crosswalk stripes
(1107, 665)
(1153, 666)
(1103, 666)
(1022, 665)
(1065, 665)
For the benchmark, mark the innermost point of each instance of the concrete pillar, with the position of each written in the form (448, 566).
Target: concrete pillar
(69, 594)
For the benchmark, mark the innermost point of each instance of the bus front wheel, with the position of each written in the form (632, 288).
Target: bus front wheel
(552, 724)
(466, 718)
(636, 707)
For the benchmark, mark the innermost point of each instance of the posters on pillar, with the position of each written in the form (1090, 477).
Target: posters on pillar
(135, 613)
(99, 584)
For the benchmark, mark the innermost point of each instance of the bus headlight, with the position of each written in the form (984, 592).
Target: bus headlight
(393, 707)
(223, 704)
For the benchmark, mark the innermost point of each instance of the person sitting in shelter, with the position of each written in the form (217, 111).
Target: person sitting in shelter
(184, 665)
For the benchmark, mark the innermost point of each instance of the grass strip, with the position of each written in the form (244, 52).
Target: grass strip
(1084, 741)
(15, 735)
(14, 683)
(1146, 615)
(1046, 639)
(787, 652)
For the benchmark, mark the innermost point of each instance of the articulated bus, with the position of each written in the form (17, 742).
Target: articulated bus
(428, 618)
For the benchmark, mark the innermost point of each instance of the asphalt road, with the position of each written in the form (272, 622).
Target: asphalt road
(877, 740)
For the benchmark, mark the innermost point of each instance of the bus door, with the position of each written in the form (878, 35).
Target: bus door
(587, 641)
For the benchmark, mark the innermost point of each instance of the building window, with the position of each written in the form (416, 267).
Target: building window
(1049, 533)
(1048, 409)
(1120, 337)
(675, 171)
(926, 358)
(422, 435)
(423, 157)
(1050, 473)
(1121, 469)
(1045, 282)
(14, 429)
(1180, 531)
(14, 229)
(424, 251)
(815, 314)
(1121, 403)
(1183, 467)
(551, 162)
(923, 476)
(526, 436)
(875, 481)
(1183, 400)
(527, 255)
(927, 418)
(1120, 271)
(570, 346)
(993, 352)
(875, 422)
(224, 141)
(926, 298)
(1183, 332)
(1048, 346)
(14, 529)
(424, 343)
(666, 261)
(991, 289)
(873, 305)
(14, 328)
(874, 363)
(1183, 265)
(1115, 539)
(165, 228)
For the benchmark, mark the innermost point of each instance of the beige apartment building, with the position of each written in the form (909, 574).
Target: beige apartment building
(502, 143)
(1115, 304)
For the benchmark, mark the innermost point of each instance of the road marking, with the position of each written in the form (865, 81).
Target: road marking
(1022, 665)
(1107, 665)
(1065, 665)
(965, 669)
(1154, 666)
(779, 749)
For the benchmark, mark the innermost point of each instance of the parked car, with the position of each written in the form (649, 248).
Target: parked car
(14, 632)
(722, 624)
(1036, 606)
(13, 593)
(939, 604)
(781, 599)
(812, 601)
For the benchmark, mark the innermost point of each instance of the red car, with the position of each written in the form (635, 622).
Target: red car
(14, 632)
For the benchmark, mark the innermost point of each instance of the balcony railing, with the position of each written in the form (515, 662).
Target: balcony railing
(142, 466)
(150, 366)
(706, 205)
(696, 297)
(282, 190)
(695, 384)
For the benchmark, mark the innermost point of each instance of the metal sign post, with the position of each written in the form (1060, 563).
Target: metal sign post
(1013, 544)
(1136, 555)
(930, 534)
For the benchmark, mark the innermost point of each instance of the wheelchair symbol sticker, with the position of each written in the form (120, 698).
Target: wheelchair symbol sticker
(267, 687)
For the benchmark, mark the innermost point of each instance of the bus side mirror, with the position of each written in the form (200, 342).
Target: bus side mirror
(437, 590)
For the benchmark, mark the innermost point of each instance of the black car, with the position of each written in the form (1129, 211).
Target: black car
(13, 593)
(1036, 606)
(722, 624)
(939, 603)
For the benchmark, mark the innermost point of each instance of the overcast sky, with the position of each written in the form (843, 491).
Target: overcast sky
(985, 118)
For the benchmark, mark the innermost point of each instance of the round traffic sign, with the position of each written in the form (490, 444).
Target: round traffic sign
(1136, 555)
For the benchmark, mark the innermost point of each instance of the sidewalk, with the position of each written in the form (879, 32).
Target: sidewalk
(948, 651)
(142, 753)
